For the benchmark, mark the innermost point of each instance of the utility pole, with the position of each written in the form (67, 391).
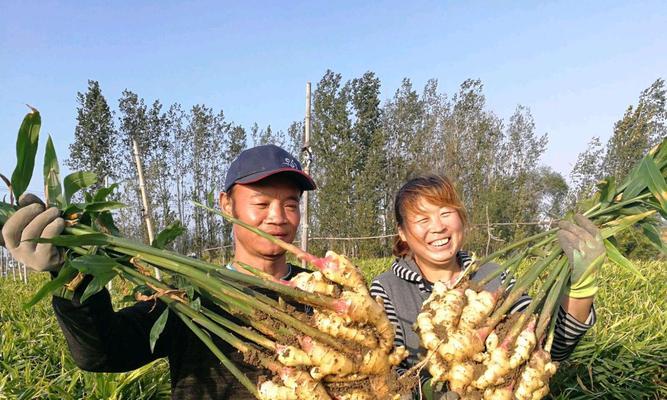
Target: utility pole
(106, 185)
(306, 168)
(145, 211)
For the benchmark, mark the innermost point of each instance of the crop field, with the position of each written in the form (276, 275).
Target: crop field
(623, 357)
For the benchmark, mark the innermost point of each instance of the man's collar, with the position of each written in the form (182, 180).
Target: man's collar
(287, 276)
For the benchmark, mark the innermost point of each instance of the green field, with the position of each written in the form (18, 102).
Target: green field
(624, 357)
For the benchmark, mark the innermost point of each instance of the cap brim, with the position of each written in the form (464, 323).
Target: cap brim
(303, 179)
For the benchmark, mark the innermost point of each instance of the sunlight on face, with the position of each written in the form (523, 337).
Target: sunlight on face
(434, 234)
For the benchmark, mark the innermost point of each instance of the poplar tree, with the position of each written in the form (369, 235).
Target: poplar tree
(95, 140)
(640, 128)
(334, 159)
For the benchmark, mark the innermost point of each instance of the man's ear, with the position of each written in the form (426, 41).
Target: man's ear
(225, 203)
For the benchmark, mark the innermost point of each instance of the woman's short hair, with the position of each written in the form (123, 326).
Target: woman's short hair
(435, 189)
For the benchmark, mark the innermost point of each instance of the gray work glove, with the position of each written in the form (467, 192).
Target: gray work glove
(29, 222)
(585, 250)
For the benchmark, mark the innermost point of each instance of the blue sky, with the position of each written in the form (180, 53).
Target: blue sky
(576, 65)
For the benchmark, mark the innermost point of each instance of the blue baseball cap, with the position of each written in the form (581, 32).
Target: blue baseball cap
(260, 162)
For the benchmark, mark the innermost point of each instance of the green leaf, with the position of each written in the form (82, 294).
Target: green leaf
(6, 211)
(54, 191)
(607, 189)
(168, 235)
(158, 327)
(210, 199)
(94, 264)
(632, 210)
(659, 152)
(66, 274)
(656, 183)
(98, 283)
(103, 193)
(653, 235)
(635, 183)
(618, 258)
(196, 304)
(613, 227)
(104, 222)
(26, 149)
(104, 206)
(588, 203)
(77, 181)
(89, 239)
(71, 210)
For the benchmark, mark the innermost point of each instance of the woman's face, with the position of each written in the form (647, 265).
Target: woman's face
(434, 234)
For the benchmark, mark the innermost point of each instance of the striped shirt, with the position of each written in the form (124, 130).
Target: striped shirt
(567, 334)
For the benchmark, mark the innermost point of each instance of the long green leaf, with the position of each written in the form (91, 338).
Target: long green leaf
(104, 206)
(168, 235)
(6, 211)
(607, 191)
(53, 190)
(26, 149)
(98, 282)
(67, 272)
(77, 181)
(653, 235)
(94, 264)
(158, 327)
(90, 239)
(103, 193)
(618, 258)
(611, 228)
(656, 183)
(659, 152)
(634, 182)
(104, 223)
(100, 267)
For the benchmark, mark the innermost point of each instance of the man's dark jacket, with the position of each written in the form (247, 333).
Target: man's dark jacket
(103, 340)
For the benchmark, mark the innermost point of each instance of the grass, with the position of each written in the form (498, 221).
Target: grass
(35, 362)
(623, 357)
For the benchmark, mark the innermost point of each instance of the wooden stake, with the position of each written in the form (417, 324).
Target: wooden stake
(306, 168)
(144, 199)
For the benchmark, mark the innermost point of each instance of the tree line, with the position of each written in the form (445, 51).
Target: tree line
(364, 148)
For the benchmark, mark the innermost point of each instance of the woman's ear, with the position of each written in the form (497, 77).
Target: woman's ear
(401, 234)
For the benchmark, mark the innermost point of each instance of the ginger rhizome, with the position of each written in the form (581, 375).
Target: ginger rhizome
(479, 350)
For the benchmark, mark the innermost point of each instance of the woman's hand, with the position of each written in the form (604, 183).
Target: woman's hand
(585, 250)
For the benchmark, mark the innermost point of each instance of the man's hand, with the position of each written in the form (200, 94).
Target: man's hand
(585, 249)
(32, 221)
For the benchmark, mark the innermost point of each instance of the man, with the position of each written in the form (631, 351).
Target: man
(263, 187)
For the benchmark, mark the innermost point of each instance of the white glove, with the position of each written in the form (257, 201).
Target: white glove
(32, 221)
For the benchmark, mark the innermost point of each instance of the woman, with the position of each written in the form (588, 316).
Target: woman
(431, 222)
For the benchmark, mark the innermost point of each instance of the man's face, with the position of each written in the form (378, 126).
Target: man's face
(271, 205)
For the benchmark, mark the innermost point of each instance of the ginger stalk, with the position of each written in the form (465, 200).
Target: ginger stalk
(339, 269)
